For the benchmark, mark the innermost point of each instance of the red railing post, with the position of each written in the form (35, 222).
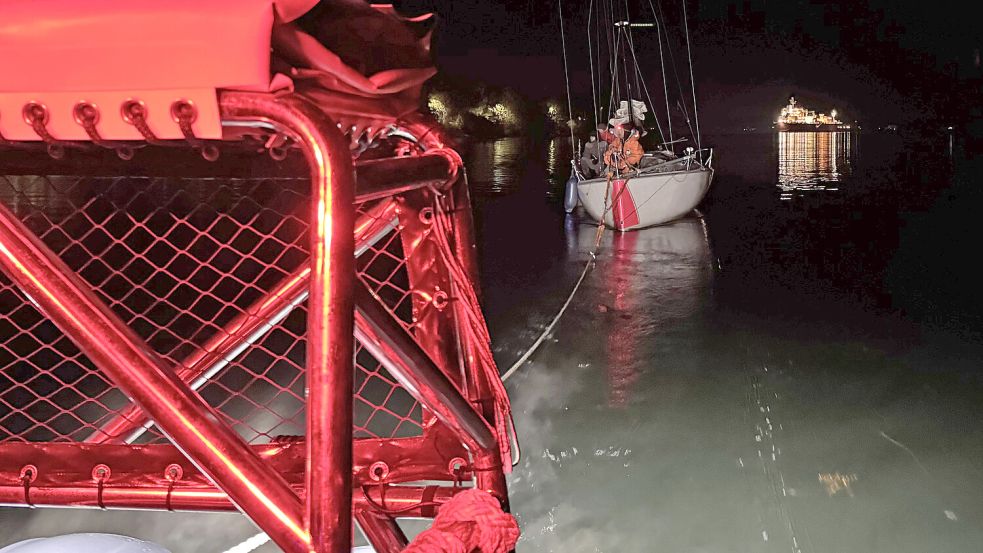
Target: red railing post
(330, 319)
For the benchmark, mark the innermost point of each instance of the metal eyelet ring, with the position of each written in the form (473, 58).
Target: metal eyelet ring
(56, 151)
(125, 153)
(29, 473)
(173, 472)
(426, 215)
(440, 300)
(184, 111)
(457, 465)
(101, 473)
(378, 471)
(85, 114)
(210, 152)
(35, 114)
(133, 110)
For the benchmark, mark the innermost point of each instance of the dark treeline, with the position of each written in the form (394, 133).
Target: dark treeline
(480, 110)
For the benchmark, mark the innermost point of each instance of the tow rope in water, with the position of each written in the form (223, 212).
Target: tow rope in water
(549, 328)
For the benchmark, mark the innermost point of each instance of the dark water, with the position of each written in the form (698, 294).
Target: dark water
(842, 225)
(797, 371)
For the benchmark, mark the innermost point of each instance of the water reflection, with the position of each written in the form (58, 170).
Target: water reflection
(811, 161)
(493, 166)
(498, 167)
(669, 266)
(607, 414)
(622, 344)
(557, 167)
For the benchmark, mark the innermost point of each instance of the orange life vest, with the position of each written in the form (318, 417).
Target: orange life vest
(629, 152)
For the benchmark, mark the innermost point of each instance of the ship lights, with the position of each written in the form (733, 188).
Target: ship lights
(794, 114)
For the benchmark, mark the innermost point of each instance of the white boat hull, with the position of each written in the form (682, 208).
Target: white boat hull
(644, 200)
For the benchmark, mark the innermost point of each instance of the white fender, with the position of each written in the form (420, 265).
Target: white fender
(84, 543)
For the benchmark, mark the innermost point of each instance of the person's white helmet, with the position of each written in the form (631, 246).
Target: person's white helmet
(84, 543)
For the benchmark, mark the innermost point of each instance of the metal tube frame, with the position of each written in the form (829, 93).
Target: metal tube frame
(328, 485)
(406, 360)
(324, 524)
(121, 354)
(245, 329)
(405, 499)
(308, 509)
(381, 531)
(479, 391)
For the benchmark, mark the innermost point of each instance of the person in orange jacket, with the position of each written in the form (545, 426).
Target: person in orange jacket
(626, 153)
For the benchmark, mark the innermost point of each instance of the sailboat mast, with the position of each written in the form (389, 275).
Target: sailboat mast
(566, 75)
(622, 34)
(590, 58)
(692, 80)
(625, 31)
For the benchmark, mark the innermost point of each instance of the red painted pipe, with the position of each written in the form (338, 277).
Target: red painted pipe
(404, 499)
(325, 525)
(431, 137)
(330, 320)
(387, 177)
(403, 357)
(64, 464)
(381, 531)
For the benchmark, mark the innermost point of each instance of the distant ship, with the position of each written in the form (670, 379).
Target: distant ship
(797, 118)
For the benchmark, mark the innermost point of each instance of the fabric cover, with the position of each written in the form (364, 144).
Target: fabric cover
(364, 64)
(61, 52)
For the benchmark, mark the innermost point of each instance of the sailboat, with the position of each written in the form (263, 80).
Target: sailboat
(619, 184)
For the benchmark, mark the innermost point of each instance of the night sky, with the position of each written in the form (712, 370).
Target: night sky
(875, 61)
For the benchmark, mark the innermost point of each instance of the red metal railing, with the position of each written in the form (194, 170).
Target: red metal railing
(225, 308)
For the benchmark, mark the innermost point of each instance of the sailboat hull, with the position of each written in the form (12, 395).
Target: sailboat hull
(644, 200)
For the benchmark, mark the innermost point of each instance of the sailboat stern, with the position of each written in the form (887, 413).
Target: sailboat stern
(644, 200)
